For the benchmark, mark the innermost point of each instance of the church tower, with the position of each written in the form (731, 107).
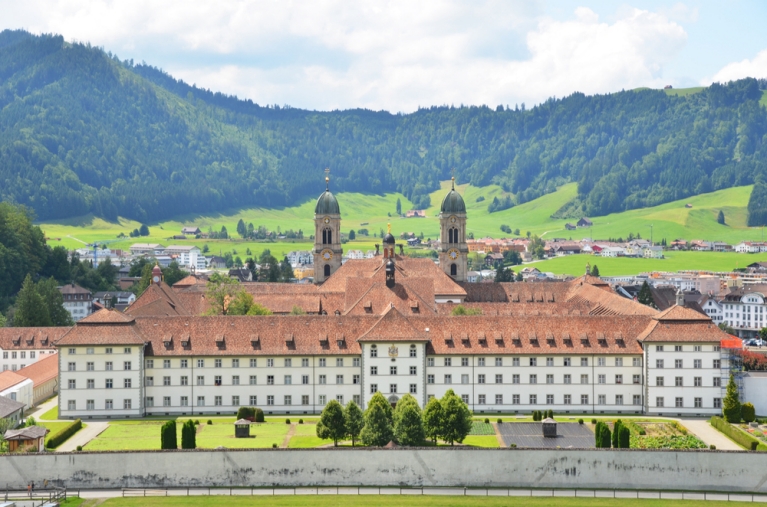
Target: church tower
(327, 235)
(453, 250)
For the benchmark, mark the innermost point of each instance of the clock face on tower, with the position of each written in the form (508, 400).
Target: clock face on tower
(452, 220)
(327, 220)
(156, 279)
(452, 253)
(326, 255)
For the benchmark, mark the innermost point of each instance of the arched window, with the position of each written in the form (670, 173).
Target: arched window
(327, 270)
(452, 235)
(327, 236)
(453, 270)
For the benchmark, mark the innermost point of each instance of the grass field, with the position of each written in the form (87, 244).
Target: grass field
(51, 414)
(401, 501)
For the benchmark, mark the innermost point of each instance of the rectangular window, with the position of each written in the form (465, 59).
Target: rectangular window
(480, 379)
(619, 361)
(72, 352)
(322, 399)
(392, 388)
(533, 379)
(717, 402)
(619, 399)
(698, 402)
(108, 350)
(71, 366)
(465, 398)
(636, 362)
(373, 351)
(355, 379)
(270, 363)
(270, 380)
(499, 361)
(481, 399)
(126, 365)
(697, 363)
(515, 399)
(126, 350)
(413, 388)
(697, 348)
(201, 363)
(304, 399)
(71, 405)
(413, 351)
(305, 362)
(464, 379)
(533, 399)
(448, 379)
(235, 401)
(355, 363)
(127, 403)
(288, 399)
(166, 381)
(515, 361)
(253, 400)
(374, 370)
(678, 382)
(584, 379)
(166, 363)
(185, 401)
(339, 362)
(392, 370)
(464, 361)
(549, 379)
(430, 361)
(288, 363)
(677, 348)
(235, 363)
(717, 382)
(127, 383)
(448, 361)
(429, 379)
(619, 379)
(515, 379)
(414, 370)
(200, 380)
(184, 380)
(323, 362)
(270, 399)
(480, 361)
(584, 361)
(253, 363)
(679, 402)
(717, 363)
(305, 379)
(601, 361)
(659, 348)
(217, 363)
(108, 383)
(323, 379)
(72, 384)
(252, 380)
(90, 366)
(166, 401)
(637, 399)
(499, 379)
(678, 363)
(636, 379)
(288, 380)
(373, 388)
(218, 401)
(201, 401)
(533, 361)
(185, 363)
(90, 383)
(339, 379)
(601, 399)
(659, 363)
(235, 380)
(584, 399)
(568, 399)
(659, 381)
(550, 361)
(550, 399)
(568, 379)
(150, 363)
(698, 381)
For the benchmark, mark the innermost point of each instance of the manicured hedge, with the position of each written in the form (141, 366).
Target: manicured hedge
(63, 434)
(737, 435)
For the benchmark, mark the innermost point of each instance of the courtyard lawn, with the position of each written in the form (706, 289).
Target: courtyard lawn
(399, 501)
(222, 435)
(307, 442)
(50, 415)
(481, 441)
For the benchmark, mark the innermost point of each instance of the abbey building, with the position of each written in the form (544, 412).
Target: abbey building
(385, 325)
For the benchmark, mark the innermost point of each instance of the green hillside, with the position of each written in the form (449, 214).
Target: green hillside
(671, 220)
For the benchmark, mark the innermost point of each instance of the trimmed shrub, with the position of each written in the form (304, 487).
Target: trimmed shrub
(63, 434)
(259, 415)
(189, 435)
(624, 437)
(593, 421)
(754, 445)
(580, 421)
(210, 423)
(274, 446)
(741, 437)
(300, 421)
(168, 436)
(712, 447)
(500, 420)
(79, 448)
(248, 413)
(513, 445)
(617, 425)
(748, 412)
(287, 421)
(487, 421)
(197, 422)
(551, 414)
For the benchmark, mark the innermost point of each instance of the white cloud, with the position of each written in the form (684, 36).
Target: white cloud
(756, 67)
(392, 55)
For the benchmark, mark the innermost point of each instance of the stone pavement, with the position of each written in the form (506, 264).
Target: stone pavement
(710, 435)
(92, 430)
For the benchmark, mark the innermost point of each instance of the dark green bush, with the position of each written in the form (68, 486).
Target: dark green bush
(259, 415)
(246, 413)
(748, 412)
(513, 445)
(712, 447)
(79, 448)
(287, 421)
(487, 421)
(300, 421)
(63, 434)
(197, 422)
(500, 420)
(580, 421)
(210, 422)
(168, 436)
(274, 446)
(593, 421)
(189, 435)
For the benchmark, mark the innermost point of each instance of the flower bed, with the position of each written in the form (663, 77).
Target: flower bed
(666, 442)
(481, 428)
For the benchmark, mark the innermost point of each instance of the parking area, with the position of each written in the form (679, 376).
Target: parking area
(531, 435)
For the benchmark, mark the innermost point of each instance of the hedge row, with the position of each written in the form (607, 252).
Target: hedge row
(741, 437)
(62, 435)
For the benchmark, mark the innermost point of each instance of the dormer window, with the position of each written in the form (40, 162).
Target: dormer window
(255, 341)
(185, 342)
(168, 341)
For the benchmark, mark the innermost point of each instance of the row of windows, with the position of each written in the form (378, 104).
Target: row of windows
(680, 348)
(91, 350)
(253, 362)
(91, 366)
(679, 382)
(374, 351)
(660, 402)
(108, 383)
(696, 363)
(534, 361)
(22, 354)
(252, 380)
(533, 379)
(218, 401)
(108, 404)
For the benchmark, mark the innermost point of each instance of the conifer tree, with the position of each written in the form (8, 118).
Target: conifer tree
(31, 310)
(731, 408)
(645, 296)
(720, 218)
(168, 436)
(595, 270)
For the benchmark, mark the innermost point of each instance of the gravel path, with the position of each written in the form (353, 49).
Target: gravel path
(710, 435)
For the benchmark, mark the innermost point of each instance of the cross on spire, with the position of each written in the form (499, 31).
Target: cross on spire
(452, 171)
(327, 178)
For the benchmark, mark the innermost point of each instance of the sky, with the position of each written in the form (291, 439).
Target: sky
(402, 55)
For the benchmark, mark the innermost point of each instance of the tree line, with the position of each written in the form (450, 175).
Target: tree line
(114, 146)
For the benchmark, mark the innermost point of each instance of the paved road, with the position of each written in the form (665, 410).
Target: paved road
(710, 435)
(82, 437)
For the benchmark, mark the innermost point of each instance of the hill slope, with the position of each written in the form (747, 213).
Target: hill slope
(83, 132)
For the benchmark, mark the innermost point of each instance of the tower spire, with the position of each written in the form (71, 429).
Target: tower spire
(327, 178)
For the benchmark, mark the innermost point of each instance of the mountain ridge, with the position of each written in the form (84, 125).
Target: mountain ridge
(82, 131)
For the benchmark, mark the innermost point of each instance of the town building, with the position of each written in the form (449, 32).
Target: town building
(20, 347)
(149, 249)
(187, 256)
(77, 301)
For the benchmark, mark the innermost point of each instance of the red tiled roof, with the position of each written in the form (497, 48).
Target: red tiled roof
(42, 371)
(393, 326)
(9, 379)
(106, 316)
(157, 300)
(682, 313)
(26, 338)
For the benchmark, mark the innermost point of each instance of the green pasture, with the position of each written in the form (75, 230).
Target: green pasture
(401, 501)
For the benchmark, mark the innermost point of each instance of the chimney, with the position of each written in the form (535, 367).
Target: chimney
(679, 297)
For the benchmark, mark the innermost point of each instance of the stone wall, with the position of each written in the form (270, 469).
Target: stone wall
(596, 469)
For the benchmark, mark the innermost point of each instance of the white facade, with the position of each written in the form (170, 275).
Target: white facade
(187, 256)
(22, 392)
(300, 258)
(747, 313)
(683, 378)
(612, 251)
(17, 359)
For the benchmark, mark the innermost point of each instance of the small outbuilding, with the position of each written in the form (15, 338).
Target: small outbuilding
(31, 438)
(549, 428)
(242, 429)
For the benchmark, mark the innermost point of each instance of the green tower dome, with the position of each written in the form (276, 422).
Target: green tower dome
(327, 203)
(453, 202)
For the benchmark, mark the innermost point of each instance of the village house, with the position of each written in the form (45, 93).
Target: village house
(584, 222)
(77, 301)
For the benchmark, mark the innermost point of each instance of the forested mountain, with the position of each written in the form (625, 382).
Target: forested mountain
(82, 131)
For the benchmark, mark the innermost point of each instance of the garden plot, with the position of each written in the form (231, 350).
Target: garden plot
(531, 435)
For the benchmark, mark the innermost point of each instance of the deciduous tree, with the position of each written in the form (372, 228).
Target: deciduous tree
(332, 423)
(408, 424)
(354, 420)
(456, 420)
(432, 419)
